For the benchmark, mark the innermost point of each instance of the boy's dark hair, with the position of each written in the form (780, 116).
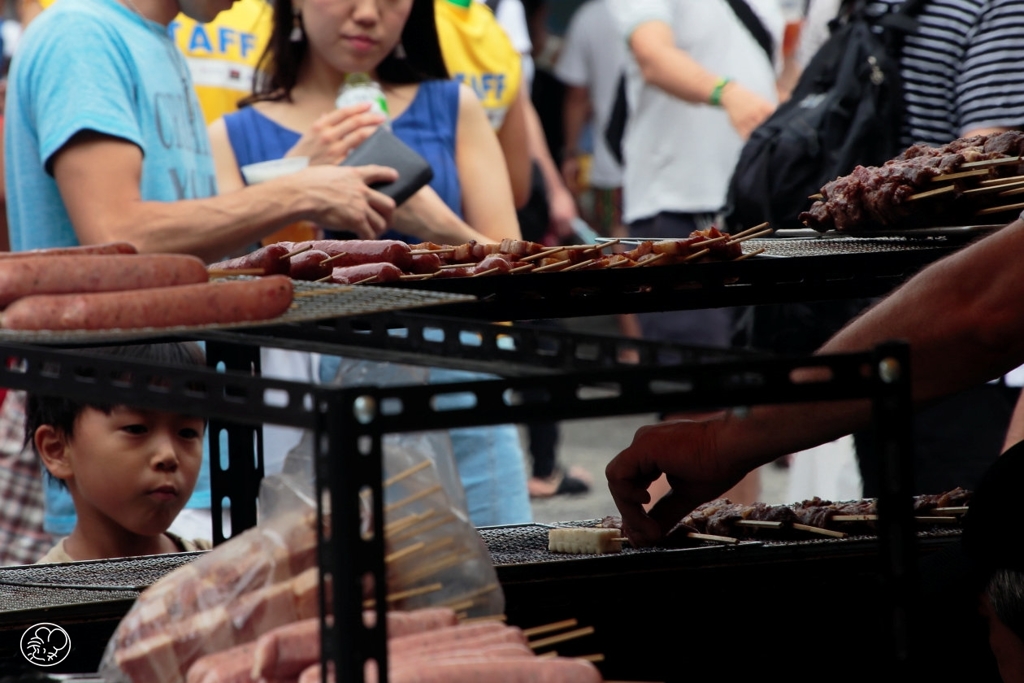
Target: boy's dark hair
(61, 413)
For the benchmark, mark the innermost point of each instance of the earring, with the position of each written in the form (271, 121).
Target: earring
(400, 51)
(297, 35)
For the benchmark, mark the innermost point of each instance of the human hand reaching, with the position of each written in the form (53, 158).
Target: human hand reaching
(342, 198)
(335, 134)
(687, 452)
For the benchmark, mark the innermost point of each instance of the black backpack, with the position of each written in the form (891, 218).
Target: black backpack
(846, 109)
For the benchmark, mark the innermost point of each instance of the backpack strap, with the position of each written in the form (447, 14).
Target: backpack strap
(754, 26)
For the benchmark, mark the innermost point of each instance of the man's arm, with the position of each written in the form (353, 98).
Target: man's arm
(561, 205)
(673, 70)
(576, 111)
(513, 137)
(964, 321)
(107, 206)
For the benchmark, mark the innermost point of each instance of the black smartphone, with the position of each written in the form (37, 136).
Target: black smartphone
(383, 148)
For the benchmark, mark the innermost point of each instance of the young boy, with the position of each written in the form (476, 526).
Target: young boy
(129, 471)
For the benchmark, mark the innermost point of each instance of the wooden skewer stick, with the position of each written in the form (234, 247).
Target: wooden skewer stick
(1001, 181)
(855, 518)
(228, 272)
(816, 197)
(991, 163)
(818, 530)
(756, 252)
(580, 265)
(449, 266)
(442, 250)
(296, 252)
(407, 532)
(1014, 190)
(728, 540)
(332, 259)
(551, 266)
(551, 654)
(549, 628)
(959, 174)
(417, 277)
(609, 243)
(1000, 209)
(484, 620)
(404, 552)
(591, 658)
(326, 278)
(405, 522)
(419, 495)
(750, 237)
(749, 231)
(414, 592)
(541, 254)
(463, 606)
(365, 280)
(696, 255)
(420, 572)
(756, 524)
(485, 272)
(562, 637)
(989, 189)
(405, 474)
(932, 193)
(321, 292)
(525, 268)
(649, 260)
(475, 594)
(962, 510)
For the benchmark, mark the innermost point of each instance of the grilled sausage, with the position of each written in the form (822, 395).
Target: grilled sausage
(515, 670)
(109, 248)
(357, 252)
(64, 274)
(309, 265)
(270, 259)
(379, 272)
(201, 304)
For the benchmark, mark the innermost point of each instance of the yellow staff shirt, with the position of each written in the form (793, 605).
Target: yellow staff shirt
(478, 52)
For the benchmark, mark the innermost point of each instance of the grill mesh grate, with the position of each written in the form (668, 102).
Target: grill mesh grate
(54, 585)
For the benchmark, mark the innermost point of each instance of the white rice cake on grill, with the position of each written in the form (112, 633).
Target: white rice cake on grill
(584, 541)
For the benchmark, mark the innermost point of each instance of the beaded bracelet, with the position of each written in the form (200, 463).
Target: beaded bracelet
(716, 94)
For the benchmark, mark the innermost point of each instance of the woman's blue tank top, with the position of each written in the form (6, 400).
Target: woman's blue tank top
(428, 126)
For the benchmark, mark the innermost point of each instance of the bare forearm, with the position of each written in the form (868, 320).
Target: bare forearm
(668, 68)
(426, 217)
(208, 228)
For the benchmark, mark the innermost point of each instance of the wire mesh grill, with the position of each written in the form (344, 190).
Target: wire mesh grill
(56, 585)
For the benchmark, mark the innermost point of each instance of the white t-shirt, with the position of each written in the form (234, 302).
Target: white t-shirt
(680, 156)
(593, 56)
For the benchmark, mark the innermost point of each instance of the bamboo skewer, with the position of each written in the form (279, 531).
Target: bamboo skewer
(520, 269)
(751, 237)
(580, 265)
(321, 292)
(960, 174)
(419, 495)
(1002, 181)
(541, 254)
(756, 252)
(405, 474)
(1000, 209)
(931, 193)
(816, 197)
(404, 523)
(485, 272)
(855, 518)
(645, 261)
(938, 520)
(450, 266)
(228, 272)
(404, 552)
(952, 511)
(365, 280)
(442, 250)
(728, 540)
(551, 654)
(296, 252)
(992, 163)
(818, 530)
(334, 258)
(417, 277)
(549, 628)
(489, 588)
(463, 606)
(988, 189)
(402, 534)
(484, 620)
(750, 231)
(756, 524)
(551, 266)
(561, 638)
(594, 659)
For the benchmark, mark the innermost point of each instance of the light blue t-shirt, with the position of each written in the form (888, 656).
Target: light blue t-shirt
(94, 65)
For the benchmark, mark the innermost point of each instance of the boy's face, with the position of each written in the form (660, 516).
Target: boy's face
(134, 467)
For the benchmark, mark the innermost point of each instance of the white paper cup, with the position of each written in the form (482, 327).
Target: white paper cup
(275, 168)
